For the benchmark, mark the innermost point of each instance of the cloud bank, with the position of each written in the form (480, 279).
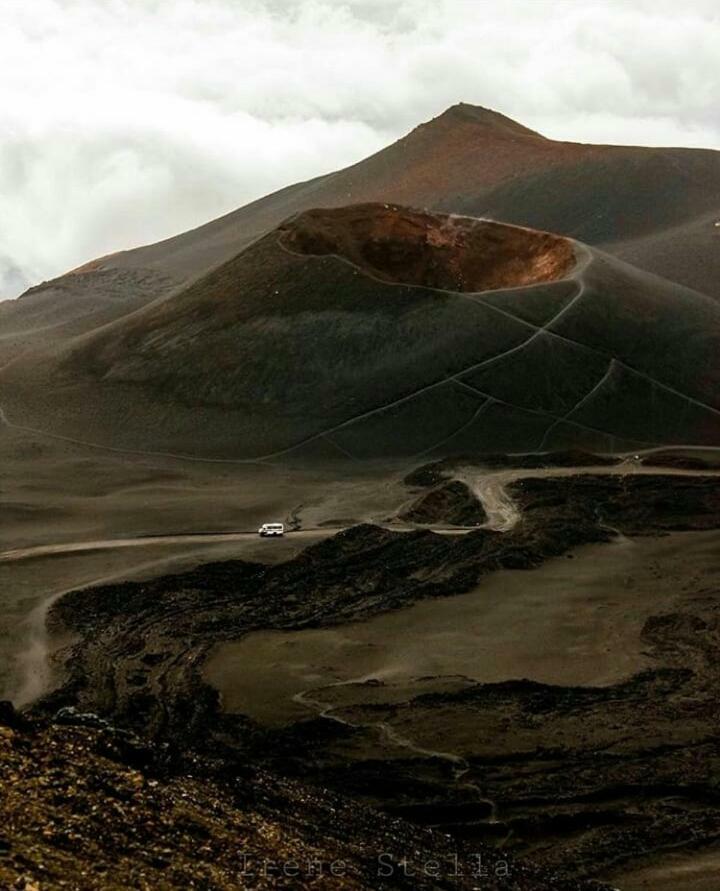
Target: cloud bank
(126, 121)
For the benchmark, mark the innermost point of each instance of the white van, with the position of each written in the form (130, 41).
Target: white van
(271, 529)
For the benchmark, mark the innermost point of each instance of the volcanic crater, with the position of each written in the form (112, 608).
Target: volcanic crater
(444, 251)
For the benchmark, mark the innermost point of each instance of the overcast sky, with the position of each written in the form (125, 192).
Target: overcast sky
(125, 121)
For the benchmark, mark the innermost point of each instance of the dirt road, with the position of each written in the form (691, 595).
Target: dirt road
(490, 488)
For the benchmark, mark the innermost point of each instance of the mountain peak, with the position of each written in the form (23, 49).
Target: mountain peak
(485, 117)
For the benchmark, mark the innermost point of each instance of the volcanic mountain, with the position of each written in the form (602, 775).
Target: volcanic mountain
(377, 330)
(653, 207)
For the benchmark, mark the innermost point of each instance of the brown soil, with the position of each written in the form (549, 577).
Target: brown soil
(434, 250)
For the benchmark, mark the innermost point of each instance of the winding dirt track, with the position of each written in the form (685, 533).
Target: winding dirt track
(105, 544)
(490, 488)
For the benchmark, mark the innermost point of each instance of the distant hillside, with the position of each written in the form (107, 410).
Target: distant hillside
(373, 331)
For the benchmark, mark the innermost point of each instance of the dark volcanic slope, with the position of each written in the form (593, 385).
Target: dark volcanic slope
(79, 301)
(654, 207)
(324, 338)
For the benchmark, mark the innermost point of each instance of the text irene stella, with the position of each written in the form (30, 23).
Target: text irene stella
(387, 865)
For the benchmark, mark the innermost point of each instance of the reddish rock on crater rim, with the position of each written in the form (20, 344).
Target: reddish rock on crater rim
(444, 251)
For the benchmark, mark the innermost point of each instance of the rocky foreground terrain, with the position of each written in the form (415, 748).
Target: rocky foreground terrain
(87, 806)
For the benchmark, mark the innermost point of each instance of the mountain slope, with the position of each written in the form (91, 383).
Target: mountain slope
(475, 161)
(375, 330)
(77, 302)
(655, 207)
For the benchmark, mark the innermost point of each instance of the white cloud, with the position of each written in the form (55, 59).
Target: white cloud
(124, 121)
